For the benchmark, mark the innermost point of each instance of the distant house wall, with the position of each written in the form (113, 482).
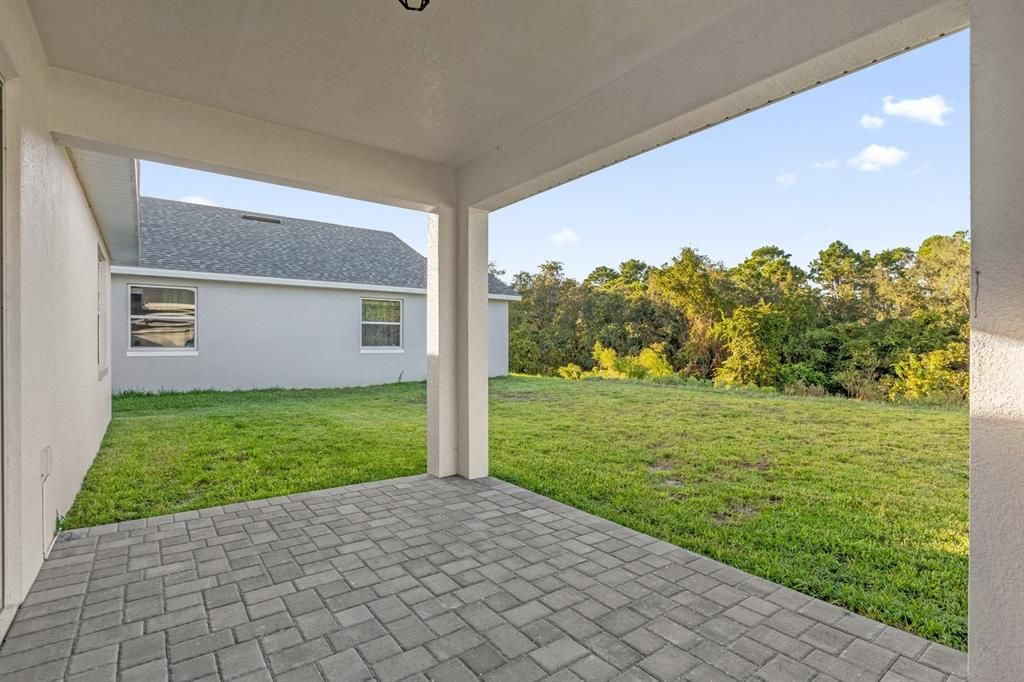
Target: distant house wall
(262, 336)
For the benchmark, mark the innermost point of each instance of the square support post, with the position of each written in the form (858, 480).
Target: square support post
(996, 593)
(457, 344)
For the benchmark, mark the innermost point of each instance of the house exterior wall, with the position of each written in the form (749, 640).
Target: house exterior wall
(56, 387)
(263, 336)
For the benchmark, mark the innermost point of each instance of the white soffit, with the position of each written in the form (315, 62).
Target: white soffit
(446, 85)
(111, 187)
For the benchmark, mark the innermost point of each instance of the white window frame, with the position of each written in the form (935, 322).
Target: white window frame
(165, 352)
(400, 348)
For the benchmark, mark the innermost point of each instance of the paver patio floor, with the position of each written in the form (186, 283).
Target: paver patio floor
(423, 578)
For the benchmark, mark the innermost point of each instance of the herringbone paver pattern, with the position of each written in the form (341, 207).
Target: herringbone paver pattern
(427, 579)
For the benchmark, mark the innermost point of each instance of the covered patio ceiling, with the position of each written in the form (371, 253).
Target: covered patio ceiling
(515, 96)
(445, 85)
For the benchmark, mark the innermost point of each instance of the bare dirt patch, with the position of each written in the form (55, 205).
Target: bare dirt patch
(760, 465)
(734, 514)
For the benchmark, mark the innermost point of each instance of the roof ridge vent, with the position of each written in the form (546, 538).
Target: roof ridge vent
(261, 218)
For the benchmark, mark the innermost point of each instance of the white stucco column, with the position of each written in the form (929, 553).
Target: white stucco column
(996, 595)
(457, 349)
(472, 344)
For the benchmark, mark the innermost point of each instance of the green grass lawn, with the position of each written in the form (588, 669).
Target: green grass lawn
(863, 505)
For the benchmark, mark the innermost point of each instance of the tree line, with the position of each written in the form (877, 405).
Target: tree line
(888, 325)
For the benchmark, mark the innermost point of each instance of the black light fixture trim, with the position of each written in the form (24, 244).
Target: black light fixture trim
(415, 5)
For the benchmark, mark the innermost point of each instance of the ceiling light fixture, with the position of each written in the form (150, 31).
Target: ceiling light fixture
(415, 5)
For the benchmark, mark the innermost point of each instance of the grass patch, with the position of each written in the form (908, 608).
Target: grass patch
(861, 504)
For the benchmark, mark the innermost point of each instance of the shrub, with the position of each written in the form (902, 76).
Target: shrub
(571, 371)
(799, 388)
(654, 361)
(939, 376)
(607, 363)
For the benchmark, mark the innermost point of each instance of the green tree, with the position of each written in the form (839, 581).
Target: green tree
(695, 286)
(542, 327)
(942, 270)
(754, 335)
(845, 279)
(767, 275)
(869, 326)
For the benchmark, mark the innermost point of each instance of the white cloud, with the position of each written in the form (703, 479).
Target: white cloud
(827, 165)
(564, 236)
(869, 121)
(875, 157)
(928, 109)
(196, 199)
(786, 180)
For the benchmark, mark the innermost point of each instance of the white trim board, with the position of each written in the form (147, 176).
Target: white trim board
(276, 281)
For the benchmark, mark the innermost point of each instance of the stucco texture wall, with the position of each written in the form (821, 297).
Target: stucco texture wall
(996, 616)
(56, 394)
(265, 336)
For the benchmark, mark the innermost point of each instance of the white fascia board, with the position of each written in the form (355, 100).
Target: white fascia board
(134, 271)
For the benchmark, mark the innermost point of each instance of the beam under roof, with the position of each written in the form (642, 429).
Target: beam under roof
(92, 114)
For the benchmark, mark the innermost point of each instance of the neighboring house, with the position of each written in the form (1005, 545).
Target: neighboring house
(226, 299)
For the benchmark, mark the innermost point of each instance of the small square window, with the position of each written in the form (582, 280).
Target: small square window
(381, 324)
(162, 318)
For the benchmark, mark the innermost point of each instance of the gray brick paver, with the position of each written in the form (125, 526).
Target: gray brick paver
(299, 655)
(143, 650)
(519, 670)
(945, 659)
(345, 666)
(241, 658)
(201, 667)
(90, 660)
(403, 665)
(427, 579)
(668, 663)
(379, 649)
(482, 659)
(182, 651)
(912, 670)
(785, 669)
(453, 644)
(154, 671)
(558, 654)
(868, 656)
(827, 638)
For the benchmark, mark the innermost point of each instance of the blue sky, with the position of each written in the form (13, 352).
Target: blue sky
(877, 159)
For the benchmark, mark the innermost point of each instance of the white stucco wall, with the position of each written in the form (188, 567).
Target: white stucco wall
(262, 336)
(995, 627)
(56, 398)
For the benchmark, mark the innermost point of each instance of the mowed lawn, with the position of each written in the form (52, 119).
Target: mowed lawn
(864, 505)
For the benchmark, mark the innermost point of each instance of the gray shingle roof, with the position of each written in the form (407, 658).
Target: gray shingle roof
(174, 235)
